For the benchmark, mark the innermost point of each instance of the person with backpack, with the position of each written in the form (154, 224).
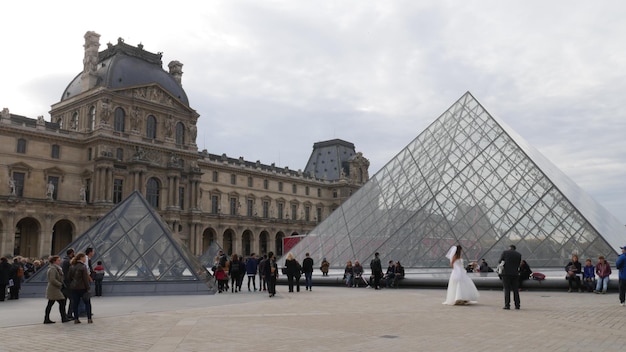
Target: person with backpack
(234, 271)
(16, 274)
(251, 269)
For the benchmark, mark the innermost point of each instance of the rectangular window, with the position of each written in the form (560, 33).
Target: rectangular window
(53, 186)
(181, 198)
(233, 206)
(89, 152)
(294, 212)
(233, 179)
(307, 213)
(319, 214)
(214, 205)
(280, 186)
(21, 146)
(215, 176)
(280, 210)
(55, 151)
(334, 193)
(250, 208)
(266, 209)
(306, 190)
(294, 189)
(266, 184)
(250, 181)
(118, 188)
(18, 178)
(319, 192)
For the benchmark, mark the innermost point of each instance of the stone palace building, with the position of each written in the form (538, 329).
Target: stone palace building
(125, 124)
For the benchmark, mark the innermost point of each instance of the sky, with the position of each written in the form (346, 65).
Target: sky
(271, 78)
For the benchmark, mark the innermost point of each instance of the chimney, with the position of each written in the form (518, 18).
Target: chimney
(176, 71)
(90, 61)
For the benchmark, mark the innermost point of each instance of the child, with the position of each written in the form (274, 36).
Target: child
(589, 276)
(221, 277)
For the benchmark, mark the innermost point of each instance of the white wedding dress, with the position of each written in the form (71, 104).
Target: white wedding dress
(461, 288)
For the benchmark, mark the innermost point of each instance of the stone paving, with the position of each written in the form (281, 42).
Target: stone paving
(325, 319)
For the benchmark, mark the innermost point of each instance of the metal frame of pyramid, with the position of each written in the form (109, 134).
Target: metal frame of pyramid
(466, 179)
(139, 253)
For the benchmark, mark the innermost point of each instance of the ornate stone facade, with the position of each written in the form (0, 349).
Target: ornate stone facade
(106, 140)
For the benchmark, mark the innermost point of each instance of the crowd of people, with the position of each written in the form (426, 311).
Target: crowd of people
(68, 280)
(588, 278)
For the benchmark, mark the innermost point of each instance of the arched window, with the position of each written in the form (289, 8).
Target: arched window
(91, 123)
(120, 117)
(151, 127)
(152, 192)
(180, 133)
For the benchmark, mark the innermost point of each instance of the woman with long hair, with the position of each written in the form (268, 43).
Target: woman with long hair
(461, 288)
(79, 284)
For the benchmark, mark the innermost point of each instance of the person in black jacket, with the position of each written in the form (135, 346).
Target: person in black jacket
(510, 276)
(292, 269)
(524, 273)
(271, 273)
(574, 272)
(234, 270)
(377, 270)
(5, 269)
(307, 270)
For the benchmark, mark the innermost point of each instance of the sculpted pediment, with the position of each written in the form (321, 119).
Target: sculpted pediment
(155, 94)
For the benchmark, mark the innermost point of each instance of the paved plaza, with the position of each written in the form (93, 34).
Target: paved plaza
(325, 319)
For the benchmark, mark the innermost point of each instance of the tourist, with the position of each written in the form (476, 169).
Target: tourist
(524, 273)
(307, 269)
(390, 274)
(79, 285)
(510, 276)
(234, 270)
(461, 288)
(603, 270)
(620, 264)
(53, 290)
(16, 274)
(98, 277)
(65, 265)
(589, 276)
(292, 270)
(324, 267)
(377, 270)
(262, 278)
(348, 274)
(399, 274)
(251, 270)
(574, 272)
(221, 277)
(271, 274)
(5, 270)
(357, 270)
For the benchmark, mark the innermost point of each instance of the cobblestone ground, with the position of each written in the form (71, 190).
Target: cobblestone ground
(326, 319)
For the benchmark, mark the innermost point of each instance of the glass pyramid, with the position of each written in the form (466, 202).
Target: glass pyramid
(467, 179)
(208, 257)
(135, 246)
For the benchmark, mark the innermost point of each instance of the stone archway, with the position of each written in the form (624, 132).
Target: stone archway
(263, 242)
(27, 233)
(246, 243)
(228, 241)
(208, 237)
(62, 235)
(279, 244)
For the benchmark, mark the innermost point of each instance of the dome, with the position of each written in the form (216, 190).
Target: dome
(123, 65)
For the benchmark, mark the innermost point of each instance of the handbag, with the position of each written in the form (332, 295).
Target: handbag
(500, 268)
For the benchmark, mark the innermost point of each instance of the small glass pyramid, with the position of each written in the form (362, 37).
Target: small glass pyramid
(135, 245)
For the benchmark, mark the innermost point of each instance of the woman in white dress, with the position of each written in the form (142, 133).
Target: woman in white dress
(461, 288)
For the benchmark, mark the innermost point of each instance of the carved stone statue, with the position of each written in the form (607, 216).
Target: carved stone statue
(5, 113)
(105, 113)
(169, 126)
(193, 132)
(12, 186)
(83, 193)
(50, 191)
(134, 118)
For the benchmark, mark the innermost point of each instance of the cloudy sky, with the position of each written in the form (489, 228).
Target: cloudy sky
(270, 78)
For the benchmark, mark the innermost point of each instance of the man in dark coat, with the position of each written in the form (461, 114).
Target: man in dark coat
(377, 270)
(510, 276)
(307, 270)
(5, 269)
